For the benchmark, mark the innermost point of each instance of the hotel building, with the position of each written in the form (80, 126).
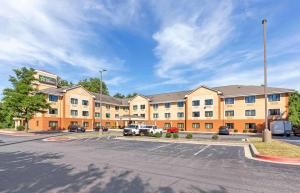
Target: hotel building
(240, 107)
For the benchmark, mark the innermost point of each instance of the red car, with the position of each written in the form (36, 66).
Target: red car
(172, 130)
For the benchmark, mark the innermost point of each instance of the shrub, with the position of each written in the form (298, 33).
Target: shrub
(235, 130)
(254, 131)
(175, 135)
(215, 136)
(20, 128)
(168, 135)
(245, 131)
(157, 135)
(150, 134)
(181, 129)
(189, 136)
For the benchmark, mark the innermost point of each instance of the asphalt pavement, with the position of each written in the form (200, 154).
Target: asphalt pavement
(110, 165)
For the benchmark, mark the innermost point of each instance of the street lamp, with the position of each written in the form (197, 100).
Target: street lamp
(267, 136)
(101, 71)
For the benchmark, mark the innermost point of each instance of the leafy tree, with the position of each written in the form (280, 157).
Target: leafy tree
(62, 83)
(93, 85)
(22, 100)
(119, 95)
(131, 95)
(5, 117)
(294, 109)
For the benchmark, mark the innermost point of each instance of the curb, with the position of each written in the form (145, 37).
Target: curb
(54, 139)
(272, 159)
(12, 133)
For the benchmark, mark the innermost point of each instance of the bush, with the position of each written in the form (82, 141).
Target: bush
(254, 131)
(235, 130)
(175, 135)
(168, 135)
(181, 129)
(20, 128)
(157, 135)
(189, 136)
(245, 131)
(215, 136)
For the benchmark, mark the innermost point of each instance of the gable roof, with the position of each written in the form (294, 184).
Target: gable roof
(58, 91)
(168, 97)
(110, 100)
(202, 86)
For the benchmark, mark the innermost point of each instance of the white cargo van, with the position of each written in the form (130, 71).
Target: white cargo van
(281, 128)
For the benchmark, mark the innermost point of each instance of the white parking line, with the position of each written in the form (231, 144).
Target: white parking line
(201, 150)
(160, 147)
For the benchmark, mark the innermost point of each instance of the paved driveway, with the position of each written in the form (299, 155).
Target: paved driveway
(111, 165)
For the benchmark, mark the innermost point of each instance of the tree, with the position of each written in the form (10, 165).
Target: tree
(294, 109)
(22, 100)
(93, 85)
(131, 95)
(62, 83)
(5, 117)
(119, 95)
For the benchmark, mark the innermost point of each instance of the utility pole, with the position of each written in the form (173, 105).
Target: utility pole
(267, 136)
(101, 71)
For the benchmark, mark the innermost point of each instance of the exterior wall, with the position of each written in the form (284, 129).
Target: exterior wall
(138, 100)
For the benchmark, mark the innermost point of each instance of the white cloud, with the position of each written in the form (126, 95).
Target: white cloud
(193, 37)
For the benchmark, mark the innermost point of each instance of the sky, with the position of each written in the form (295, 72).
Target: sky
(150, 46)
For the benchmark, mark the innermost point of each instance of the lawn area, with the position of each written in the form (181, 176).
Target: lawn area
(93, 134)
(276, 148)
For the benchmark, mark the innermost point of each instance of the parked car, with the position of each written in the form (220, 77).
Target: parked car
(296, 130)
(281, 128)
(76, 128)
(99, 128)
(223, 130)
(172, 130)
(147, 129)
(133, 129)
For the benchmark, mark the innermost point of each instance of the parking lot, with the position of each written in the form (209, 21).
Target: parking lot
(106, 164)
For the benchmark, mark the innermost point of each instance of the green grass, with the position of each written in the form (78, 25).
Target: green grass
(276, 148)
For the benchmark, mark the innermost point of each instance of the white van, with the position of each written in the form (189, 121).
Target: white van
(281, 128)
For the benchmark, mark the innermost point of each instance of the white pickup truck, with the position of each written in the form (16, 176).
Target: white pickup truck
(150, 129)
(133, 129)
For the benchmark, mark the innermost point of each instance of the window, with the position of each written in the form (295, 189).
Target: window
(97, 124)
(196, 125)
(209, 102)
(273, 97)
(230, 125)
(196, 114)
(37, 123)
(97, 114)
(85, 124)
(117, 116)
(196, 103)
(250, 126)
(180, 125)
(117, 108)
(97, 104)
(155, 106)
(208, 125)
(167, 125)
(229, 113)
(74, 113)
(155, 115)
(74, 123)
(135, 107)
(85, 102)
(53, 124)
(53, 98)
(250, 99)
(107, 124)
(107, 115)
(167, 105)
(143, 115)
(250, 112)
(274, 112)
(180, 104)
(126, 108)
(107, 106)
(229, 101)
(209, 114)
(135, 115)
(53, 111)
(167, 115)
(142, 106)
(180, 114)
(85, 113)
(74, 101)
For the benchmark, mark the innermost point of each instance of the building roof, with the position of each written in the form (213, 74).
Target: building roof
(244, 90)
(58, 91)
(110, 100)
(168, 97)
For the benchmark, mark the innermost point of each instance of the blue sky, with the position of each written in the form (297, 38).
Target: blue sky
(153, 46)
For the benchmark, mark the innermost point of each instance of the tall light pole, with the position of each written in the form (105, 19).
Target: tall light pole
(267, 136)
(101, 71)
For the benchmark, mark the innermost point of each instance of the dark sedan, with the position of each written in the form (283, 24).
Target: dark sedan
(76, 128)
(223, 130)
(99, 128)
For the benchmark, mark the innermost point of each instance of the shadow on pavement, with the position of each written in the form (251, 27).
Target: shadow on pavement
(37, 173)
